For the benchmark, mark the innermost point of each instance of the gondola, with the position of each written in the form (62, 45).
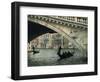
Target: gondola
(64, 54)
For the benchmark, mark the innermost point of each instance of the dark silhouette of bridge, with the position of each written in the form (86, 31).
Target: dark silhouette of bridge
(35, 30)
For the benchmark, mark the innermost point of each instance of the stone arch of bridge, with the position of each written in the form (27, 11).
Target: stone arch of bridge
(50, 26)
(35, 30)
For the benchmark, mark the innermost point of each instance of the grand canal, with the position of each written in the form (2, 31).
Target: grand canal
(48, 57)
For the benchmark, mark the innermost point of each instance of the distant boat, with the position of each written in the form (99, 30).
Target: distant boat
(34, 51)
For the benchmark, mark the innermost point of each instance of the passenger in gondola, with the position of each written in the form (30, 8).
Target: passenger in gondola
(34, 51)
(59, 52)
(33, 48)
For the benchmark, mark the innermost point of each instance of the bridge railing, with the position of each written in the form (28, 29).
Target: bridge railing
(82, 20)
(60, 21)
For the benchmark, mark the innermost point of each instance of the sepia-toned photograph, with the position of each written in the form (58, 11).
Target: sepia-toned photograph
(57, 40)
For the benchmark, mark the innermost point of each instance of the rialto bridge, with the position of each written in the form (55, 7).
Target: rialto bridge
(72, 28)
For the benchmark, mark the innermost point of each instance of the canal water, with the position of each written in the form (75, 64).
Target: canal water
(48, 57)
